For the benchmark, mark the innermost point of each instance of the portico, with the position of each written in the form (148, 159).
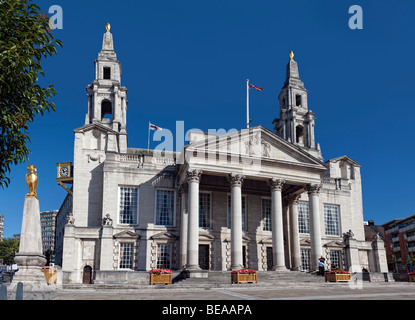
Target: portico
(256, 173)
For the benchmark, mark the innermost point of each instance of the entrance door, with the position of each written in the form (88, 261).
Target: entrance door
(244, 257)
(87, 276)
(270, 258)
(204, 257)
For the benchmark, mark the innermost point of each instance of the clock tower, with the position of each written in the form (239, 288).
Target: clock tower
(107, 98)
(296, 122)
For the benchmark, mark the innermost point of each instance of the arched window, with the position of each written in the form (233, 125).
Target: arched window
(299, 134)
(106, 110)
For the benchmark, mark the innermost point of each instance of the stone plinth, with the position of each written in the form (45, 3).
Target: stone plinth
(30, 259)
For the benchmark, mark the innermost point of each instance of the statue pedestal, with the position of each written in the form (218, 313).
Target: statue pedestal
(30, 259)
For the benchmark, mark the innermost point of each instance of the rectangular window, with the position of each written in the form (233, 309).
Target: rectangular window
(205, 214)
(336, 259)
(107, 73)
(126, 255)
(266, 214)
(128, 205)
(165, 205)
(305, 259)
(331, 220)
(243, 204)
(303, 217)
(164, 256)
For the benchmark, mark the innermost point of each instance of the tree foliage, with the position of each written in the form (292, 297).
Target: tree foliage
(7, 248)
(25, 39)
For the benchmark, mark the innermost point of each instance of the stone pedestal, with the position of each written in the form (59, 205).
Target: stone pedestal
(30, 259)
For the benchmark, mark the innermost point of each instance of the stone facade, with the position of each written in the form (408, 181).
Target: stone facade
(254, 198)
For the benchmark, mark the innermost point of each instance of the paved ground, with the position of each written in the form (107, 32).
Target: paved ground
(334, 291)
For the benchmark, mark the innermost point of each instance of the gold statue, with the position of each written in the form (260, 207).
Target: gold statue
(32, 180)
(291, 55)
(108, 27)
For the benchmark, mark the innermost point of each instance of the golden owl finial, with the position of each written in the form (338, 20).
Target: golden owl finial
(108, 27)
(291, 55)
(32, 180)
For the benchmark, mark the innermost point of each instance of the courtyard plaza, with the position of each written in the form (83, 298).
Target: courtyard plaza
(319, 291)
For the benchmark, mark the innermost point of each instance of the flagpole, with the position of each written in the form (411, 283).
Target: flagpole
(247, 104)
(148, 149)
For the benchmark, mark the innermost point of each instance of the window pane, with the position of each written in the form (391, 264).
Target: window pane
(126, 255)
(128, 205)
(165, 207)
(164, 256)
(303, 217)
(243, 213)
(305, 259)
(266, 215)
(205, 220)
(336, 259)
(331, 220)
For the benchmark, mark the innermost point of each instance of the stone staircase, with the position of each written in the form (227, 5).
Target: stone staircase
(214, 279)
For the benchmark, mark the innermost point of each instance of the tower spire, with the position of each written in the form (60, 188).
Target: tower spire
(296, 122)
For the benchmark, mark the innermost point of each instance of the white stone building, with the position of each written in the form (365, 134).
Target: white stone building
(254, 198)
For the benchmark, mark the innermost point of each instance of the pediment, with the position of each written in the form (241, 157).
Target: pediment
(245, 239)
(95, 126)
(164, 236)
(126, 235)
(257, 142)
(335, 244)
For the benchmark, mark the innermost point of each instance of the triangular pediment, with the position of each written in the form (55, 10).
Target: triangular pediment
(95, 126)
(164, 236)
(127, 235)
(257, 142)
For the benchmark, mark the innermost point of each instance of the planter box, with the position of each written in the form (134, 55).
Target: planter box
(51, 275)
(411, 277)
(337, 277)
(244, 278)
(161, 278)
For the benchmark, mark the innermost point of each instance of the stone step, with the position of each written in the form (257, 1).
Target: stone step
(215, 279)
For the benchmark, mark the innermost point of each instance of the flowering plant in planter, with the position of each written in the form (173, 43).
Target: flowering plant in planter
(338, 271)
(244, 271)
(160, 271)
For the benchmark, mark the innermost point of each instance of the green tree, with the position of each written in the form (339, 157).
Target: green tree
(7, 248)
(25, 39)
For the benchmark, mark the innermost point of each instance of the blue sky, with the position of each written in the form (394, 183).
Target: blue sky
(188, 60)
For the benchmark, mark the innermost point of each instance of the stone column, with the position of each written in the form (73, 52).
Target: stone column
(295, 234)
(277, 224)
(193, 178)
(315, 228)
(236, 181)
(183, 225)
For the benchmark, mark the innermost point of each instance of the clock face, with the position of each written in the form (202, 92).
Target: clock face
(64, 172)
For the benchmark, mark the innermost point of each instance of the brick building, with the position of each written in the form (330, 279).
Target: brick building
(399, 242)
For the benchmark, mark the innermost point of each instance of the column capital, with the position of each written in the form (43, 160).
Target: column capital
(236, 179)
(194, 175)
(276, 184)
(313, 189)
(292, 199)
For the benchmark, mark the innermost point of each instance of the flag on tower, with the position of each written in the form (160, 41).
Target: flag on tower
(154, 127)
(257, 88)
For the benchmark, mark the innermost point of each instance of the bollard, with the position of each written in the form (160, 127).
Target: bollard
(3, 292)
(19, 291)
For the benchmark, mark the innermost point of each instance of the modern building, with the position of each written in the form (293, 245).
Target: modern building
(47, 224)
(1, 227)
(399, 243)
(256, 198)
